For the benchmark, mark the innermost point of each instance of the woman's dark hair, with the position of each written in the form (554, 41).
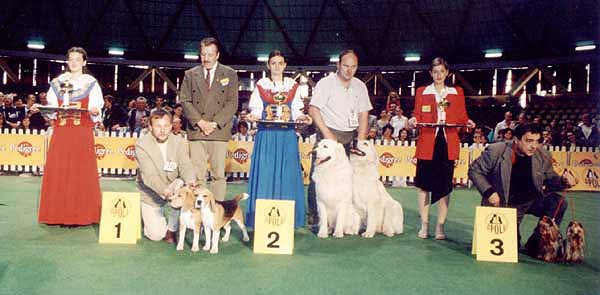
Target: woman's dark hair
(242, 123)
(83, 53)
(273, 54)
(524, 128)
(388, 126)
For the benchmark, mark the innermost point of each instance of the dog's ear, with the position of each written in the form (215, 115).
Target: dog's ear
(212, 204)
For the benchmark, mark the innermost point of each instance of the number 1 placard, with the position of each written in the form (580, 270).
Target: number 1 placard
(495, 234)
(120, 221)
(274, 227)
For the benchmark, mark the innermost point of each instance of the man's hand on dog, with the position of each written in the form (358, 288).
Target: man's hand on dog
(494, 200)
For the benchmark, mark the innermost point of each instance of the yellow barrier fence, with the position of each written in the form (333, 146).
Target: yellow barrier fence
(25, 151)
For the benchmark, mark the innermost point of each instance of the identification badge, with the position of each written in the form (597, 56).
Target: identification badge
(426, 109)
(170, 166)
(353, 120)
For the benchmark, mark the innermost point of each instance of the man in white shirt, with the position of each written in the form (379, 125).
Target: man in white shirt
(399, 121)
(340, 109)
(506, 123)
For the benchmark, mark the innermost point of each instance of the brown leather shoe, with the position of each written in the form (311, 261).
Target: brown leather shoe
(170, 237)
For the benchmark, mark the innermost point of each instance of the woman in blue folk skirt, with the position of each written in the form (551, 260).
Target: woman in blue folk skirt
(275, 170)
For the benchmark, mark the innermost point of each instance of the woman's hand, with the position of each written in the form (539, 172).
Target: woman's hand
(94, 111)
(412, 122)
(251, 117)
(304, 119)
(471, 124)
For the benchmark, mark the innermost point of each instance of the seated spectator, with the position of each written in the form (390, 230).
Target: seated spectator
(546, 138)
(159, 104)
(586, 132)
(25, 124)
(404, 136)
(178, 112)
(507, 134)
(242, 134)
(398, 121)
(537, 120)
(12, 115)
(521, 119)
(114, 117)
(177, 127)
(38, 121)
(135, 117)
(386, 134)
(372, 135)
(384, 119)
(506, 123)
(570, 141)
(393, 100)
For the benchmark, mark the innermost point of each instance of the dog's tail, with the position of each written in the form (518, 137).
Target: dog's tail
(241, 197)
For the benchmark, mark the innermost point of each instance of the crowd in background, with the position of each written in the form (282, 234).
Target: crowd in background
(388, 124)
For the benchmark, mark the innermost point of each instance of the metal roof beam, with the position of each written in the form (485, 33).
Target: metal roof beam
(244, 27)
(282, 29)
(313, 32)
(211, 28)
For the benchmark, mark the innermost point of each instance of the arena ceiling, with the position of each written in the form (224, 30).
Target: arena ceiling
(308, 31)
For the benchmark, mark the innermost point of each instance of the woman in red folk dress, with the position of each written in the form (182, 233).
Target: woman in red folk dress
(437, 146)
(70, 186)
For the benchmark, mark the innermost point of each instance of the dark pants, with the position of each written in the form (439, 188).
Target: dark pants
(545, 206)
(345, 138)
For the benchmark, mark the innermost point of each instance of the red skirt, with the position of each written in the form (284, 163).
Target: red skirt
(70, 186)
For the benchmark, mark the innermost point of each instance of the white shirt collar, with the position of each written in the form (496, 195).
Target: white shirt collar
(212, 70)
(430, 89)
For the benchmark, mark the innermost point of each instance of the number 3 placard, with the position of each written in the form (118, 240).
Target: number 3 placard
(495, 234)
(120, 221)
(274, 227)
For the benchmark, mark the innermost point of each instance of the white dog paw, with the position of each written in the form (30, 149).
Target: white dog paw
(225, 239)
(205, 248)
(195, 249)
(322, 235)
(246, 239)
(338, 235)
(367, 235)
(214, 251)
(179, 248)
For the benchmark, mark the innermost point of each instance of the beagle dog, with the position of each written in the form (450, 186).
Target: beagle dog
(217, 215)
(190, 216)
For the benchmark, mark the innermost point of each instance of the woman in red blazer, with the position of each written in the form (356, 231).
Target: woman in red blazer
(437, 147)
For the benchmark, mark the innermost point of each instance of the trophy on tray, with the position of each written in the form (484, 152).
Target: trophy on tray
(67, 110)
(278, 112)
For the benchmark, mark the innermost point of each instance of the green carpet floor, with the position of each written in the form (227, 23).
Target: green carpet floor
(40, 259)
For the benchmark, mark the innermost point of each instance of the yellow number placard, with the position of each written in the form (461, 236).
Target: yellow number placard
(495, 234)
(120, 221)
(274, 227)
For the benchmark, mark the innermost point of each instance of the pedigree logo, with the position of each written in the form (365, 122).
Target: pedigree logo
(240, 155)
(387, 160)
(129, 152)
(101, 151)
(24, 148)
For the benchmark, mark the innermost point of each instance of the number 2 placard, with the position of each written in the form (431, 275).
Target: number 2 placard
(120, 221)
(274, 227)
(495, 234)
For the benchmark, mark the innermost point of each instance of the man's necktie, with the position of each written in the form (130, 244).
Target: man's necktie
(207, 79)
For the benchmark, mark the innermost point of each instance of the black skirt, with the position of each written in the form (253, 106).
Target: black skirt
(435, 175)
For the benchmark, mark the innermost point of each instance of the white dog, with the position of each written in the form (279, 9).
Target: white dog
(381, 212)
(332, 176)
